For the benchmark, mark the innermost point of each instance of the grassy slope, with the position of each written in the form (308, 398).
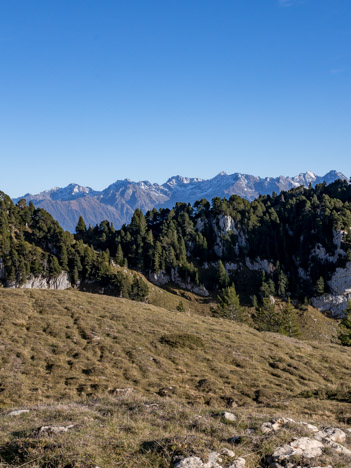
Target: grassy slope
(58, 344)
(313, 324)
(69, 357)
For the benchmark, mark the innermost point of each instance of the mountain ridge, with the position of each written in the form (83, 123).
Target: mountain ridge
(118, 201)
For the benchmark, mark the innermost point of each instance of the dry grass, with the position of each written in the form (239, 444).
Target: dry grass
(130, 430)
(71, 354)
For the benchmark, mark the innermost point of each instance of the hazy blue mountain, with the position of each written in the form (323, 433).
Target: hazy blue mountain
(118, 201)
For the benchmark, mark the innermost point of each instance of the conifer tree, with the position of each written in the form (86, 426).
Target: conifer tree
(229, 304)
(157, 263)
(282, 284)
(288, 320)
(320, 286)
(119, 255)
(267, 318)
(81, 227)
(254, 301)
(344, 334)
(222, 276)
(180, 307)
(54, 267)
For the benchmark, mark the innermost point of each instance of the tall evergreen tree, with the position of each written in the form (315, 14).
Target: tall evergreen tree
(288, 320)
(229, 304)
(81, 227)
(222, 276)
(344, 334)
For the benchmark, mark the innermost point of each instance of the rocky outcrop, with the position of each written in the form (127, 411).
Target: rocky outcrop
(340, 292)
(41, 282)
(163, 278)
(214, 460)
(321, 253)
(303, 447)
(299, 452)
(224, 226)
(306, 448)
(259, 265)
(160, 278)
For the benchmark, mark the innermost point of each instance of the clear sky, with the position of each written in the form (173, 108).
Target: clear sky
(92, 91)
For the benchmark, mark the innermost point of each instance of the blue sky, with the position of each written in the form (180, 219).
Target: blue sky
(93, 91)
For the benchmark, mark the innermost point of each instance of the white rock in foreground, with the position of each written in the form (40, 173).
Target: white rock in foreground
(331, 433)
(190, 462)
(229, 416)
(304, 447)
(239, 463)
(52, 430)
(18, 412)
(338, 447)
(275, 425)
(227, 453)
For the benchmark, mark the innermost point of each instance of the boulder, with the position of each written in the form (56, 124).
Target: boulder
(229, 416)
(332, 434)
(338, 447)
(227, 453)
(303, 447)
(190, 462)
(309, 427)
(238, 463)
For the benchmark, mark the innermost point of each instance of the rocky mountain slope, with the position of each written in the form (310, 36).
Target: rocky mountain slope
(117, 202)
(90, 380)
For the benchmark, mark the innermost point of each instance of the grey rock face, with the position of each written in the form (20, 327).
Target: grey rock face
(340, 287)
(40, 282)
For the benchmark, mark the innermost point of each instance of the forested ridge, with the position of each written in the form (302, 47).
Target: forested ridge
(197, 241)
(32, 244)
(211, 243)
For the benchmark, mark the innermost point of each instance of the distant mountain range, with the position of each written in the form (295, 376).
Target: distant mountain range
(118, 201)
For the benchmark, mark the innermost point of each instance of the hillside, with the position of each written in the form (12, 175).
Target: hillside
(119, 200)
(114, 368)
(84, 344)
(295, 244)
(292, 246)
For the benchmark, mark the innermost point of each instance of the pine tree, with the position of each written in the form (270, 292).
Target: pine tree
(180, 307)
(222, 276)
(54, 266)
(320, 286)
(229, 304)
(139, 289)
(119, 255)
(282, 284)
(63, 256)
(288, 320)
(81, 227)
(157, 257)
(344, 334)
(138, 223)
(267, 318)
(75, 276)
(267, 288)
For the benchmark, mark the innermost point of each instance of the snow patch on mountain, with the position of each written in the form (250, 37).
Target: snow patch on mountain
(118, 201)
